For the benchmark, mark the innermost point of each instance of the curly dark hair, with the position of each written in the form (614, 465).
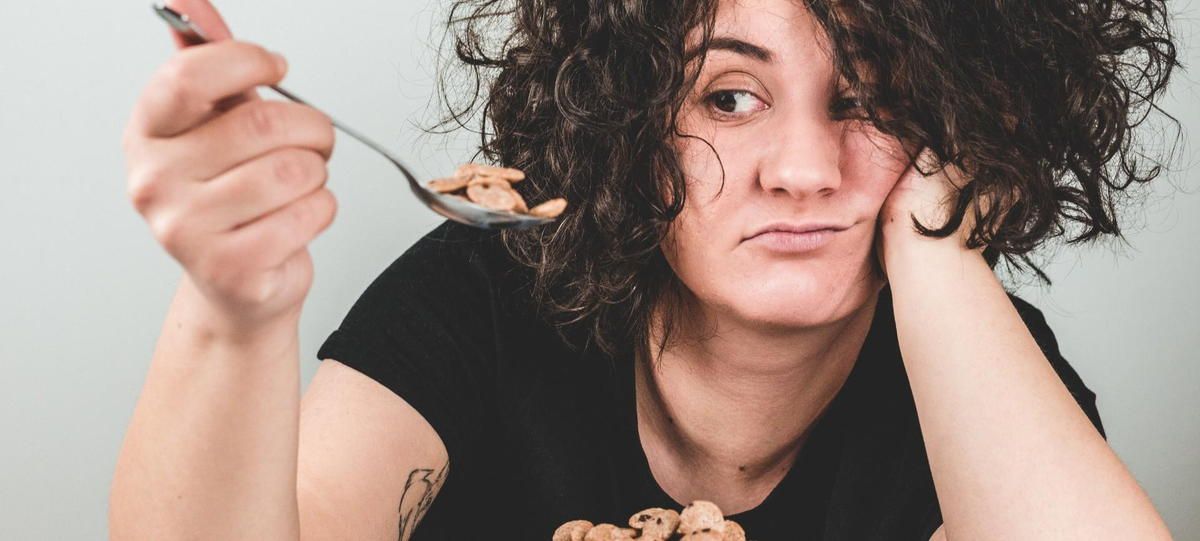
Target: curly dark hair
(1034, 101)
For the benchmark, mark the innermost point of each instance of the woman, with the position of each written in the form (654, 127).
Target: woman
(773, 289)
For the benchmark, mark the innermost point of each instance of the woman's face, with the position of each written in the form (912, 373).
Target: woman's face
(765, 100)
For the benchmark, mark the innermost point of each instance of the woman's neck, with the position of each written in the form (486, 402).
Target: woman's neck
(738, 405)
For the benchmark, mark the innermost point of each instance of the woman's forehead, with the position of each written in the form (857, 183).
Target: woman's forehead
(782, 27)
(776, 30)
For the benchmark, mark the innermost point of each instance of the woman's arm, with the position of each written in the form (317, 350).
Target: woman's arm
(210, 452)
(221, 445)
(1012, 454)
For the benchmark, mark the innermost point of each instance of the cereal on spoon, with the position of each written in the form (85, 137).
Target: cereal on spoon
(491, 187)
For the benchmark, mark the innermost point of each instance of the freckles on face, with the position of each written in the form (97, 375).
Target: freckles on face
(765, 150)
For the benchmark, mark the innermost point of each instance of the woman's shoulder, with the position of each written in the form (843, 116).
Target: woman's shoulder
(454, 255)
(446, 274)
(450, 242)
(455, 268)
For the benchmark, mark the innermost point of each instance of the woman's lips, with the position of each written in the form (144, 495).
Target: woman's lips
(787, 242)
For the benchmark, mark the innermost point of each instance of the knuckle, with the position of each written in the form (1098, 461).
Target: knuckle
(256, 289)
(290, 168)
(141, 195)
(265, 119)
(310, 168)
(144, 187)
(169, 231)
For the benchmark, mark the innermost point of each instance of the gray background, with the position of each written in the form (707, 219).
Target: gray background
(84, 287)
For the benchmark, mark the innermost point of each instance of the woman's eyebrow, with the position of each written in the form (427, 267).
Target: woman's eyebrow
(738, 46)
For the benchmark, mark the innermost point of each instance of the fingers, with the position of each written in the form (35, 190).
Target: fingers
(230, 185)
(230, 139)
(257, 188)
(248, 131)
(188, 87)
(202, 14)
(270, 240)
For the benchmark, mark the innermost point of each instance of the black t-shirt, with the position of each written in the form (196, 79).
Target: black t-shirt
(538, 434)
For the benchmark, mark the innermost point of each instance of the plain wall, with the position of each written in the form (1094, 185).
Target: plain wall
(84, 287)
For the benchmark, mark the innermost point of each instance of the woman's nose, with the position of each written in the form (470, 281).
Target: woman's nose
(802, 159)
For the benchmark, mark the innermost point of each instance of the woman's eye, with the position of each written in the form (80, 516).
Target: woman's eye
(734, 103)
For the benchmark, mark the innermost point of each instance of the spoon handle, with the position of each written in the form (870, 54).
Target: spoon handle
(193, 35)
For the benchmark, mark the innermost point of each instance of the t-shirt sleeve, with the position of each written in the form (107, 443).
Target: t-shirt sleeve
(424, 329)
(1036, 322)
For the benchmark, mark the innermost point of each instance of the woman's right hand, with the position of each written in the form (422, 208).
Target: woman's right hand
(232, 186)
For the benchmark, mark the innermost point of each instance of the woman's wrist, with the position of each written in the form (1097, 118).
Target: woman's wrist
(908, 254)
(208, 327)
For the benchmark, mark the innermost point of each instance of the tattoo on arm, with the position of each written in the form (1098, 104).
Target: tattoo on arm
(419, 490)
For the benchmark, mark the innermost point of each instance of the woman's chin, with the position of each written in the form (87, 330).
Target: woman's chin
(803, 303)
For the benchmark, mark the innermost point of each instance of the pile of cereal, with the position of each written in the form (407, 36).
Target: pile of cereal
(491, 187)
(699, 521)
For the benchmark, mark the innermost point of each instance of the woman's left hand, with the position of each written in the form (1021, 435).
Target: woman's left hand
(931, 200)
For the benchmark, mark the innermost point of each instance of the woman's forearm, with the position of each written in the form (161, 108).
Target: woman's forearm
(1012, 454)
(211, 450)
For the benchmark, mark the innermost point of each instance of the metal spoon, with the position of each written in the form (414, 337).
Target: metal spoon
(451, 207)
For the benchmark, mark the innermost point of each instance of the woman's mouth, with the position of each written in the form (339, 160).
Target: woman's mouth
(789, 242)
